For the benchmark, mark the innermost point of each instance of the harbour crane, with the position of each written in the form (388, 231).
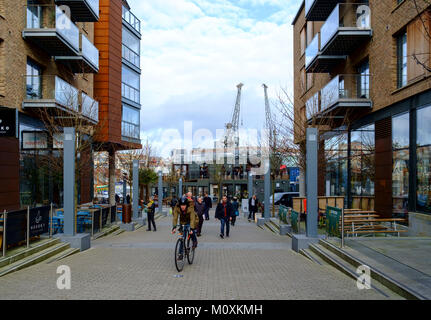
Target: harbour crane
(231, 137)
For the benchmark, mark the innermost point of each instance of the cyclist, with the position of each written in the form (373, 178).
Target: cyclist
(187, 216)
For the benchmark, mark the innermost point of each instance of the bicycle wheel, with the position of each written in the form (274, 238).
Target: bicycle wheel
(179, 264)
(190, 252)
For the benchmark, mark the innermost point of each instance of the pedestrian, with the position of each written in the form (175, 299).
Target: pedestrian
(151, 210)
(235, 207)
(208, 205)
(253, 205)
(224, 213)
(173, 203)
(200, 210)
(128, 199)
(117, 199)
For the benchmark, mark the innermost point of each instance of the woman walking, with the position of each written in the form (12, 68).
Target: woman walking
(151, 210)
(200, 210)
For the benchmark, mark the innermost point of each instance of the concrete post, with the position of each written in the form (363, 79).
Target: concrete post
(69, 181)
(180, 189)
(312, 176)
(135, 197)
(111, 177)
(160, 192)
(267, 187)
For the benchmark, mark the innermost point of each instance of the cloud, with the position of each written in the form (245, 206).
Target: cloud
(195, 52)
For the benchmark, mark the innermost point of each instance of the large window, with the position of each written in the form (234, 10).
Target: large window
(33, 80)
(130, 126)
(362, 161)
(424, 159)
(402, 60)
(131, 47)
(130, 84)
(400, 164)
(336, 165)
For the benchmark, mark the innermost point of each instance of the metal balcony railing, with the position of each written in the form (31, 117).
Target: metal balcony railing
(350, 90)
(51, 29)
(132, 20)
(130, 93)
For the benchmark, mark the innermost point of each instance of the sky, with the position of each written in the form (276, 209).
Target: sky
(195, 52)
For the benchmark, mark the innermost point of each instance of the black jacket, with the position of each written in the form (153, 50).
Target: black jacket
(199, 208)
(255, 206)
(208, 202)
(220, 211)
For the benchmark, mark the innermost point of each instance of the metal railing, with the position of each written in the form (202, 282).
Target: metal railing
(89, 51)
(89, 107)
(344, 86)
(130, 93)
(345, 15)
(312, 50)
(131, 19)
(131, 56)
(39, 16)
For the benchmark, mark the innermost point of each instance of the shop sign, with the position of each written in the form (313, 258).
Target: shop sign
(34, 140)
(8, 122)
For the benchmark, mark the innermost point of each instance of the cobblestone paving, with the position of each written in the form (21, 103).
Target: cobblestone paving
(252, 264)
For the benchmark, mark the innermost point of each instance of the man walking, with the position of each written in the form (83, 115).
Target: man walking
(208, 205)
(253, 204)
(200, 209)
(224, 212)
(235, 208)
(151, 209)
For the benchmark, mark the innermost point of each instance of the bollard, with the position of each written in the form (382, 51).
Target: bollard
(342, 228)
(4, 233)
(50, 222)
(28, 227)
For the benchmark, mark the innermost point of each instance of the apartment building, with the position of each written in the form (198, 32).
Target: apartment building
(47, 65)
(364, 70)
(64, 63)
(118, 37)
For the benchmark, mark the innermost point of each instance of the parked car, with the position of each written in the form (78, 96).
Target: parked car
(283, 198)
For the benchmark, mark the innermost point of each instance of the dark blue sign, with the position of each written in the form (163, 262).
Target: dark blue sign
(294, 175)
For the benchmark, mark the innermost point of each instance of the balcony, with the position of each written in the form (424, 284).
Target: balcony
(132, 58)
(89, 107)
(49, 28)
(319, 10)
(347, 27)
(130, 93)
(132, 22)
(86, 62)
(58, 97)
(346, 91)
(312, 107)
(82, 10)
(315, 62)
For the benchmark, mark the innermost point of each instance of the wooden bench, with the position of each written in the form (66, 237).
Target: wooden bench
(372, 225)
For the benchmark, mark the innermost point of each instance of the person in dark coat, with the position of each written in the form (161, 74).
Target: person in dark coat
(224, 212)
(117, 199)
(253, 205)
(174, 202)
(128, 199)
(208, 205)
(200, 210)
(235, 207)
(151, 210)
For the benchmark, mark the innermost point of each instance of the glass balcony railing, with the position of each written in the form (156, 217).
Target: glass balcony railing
(89, 51)
(82, 10)
(43, 17)
(130, 93)
(130, 130)
(312, 50)
(345, 16)
(312, 106)
(131, 56)
(131, 19)
(94, 4)
(47, 87)
(89, 107)
(343, 88)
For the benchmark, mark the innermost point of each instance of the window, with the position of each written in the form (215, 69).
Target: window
(400, 164)
(424, 159)
(131, 41)
(130, 84)
(362, 161)
(303, 40)
(130, 127)
(336, 165)
(33, 80)
(310, 32)
(402, 60)
(34, 15)
(364, 81)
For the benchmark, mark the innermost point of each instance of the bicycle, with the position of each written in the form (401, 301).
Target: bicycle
(183, 242)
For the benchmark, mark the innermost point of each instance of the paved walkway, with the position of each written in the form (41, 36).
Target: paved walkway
(252, 264)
